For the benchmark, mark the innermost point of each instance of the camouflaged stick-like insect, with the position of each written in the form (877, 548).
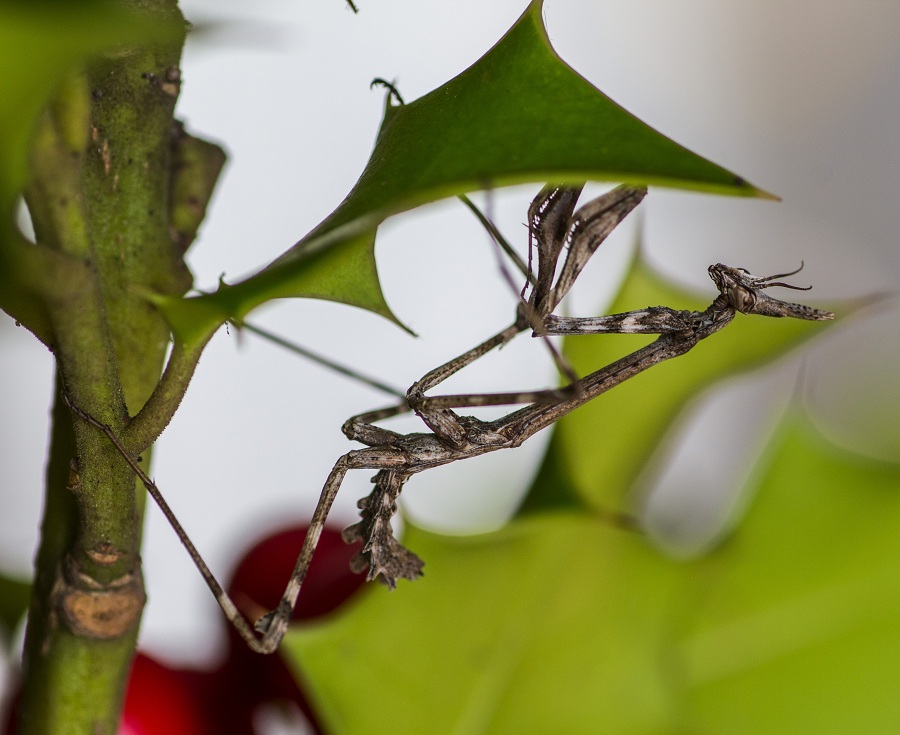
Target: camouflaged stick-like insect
(553, 224)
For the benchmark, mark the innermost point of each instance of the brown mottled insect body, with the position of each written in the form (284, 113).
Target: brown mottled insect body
(555, 226)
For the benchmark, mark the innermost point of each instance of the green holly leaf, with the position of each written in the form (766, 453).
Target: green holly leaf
(797, 617)
(519, 114)
(549, 625)
(561, 621)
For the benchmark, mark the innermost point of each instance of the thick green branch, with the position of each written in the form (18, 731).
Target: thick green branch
(99, 197)
(73, 682)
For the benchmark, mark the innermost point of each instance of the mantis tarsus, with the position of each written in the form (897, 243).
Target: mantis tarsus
(553, 224)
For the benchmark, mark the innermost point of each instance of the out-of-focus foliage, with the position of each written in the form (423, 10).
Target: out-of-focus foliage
(43, 44)
(563, 621)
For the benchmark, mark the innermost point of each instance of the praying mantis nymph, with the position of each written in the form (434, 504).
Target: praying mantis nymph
(554, 224)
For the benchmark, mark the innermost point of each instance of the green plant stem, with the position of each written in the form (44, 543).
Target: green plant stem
(72, 683)
(102, 177)
(152, 419)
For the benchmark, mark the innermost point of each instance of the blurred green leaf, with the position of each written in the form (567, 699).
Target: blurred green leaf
(519, 114)
(41, 44)
(797, 629)
(604, 445)
(563, 623)
(551, 625)
(14, 595)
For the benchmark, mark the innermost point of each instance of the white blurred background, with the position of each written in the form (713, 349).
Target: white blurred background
(801, 98)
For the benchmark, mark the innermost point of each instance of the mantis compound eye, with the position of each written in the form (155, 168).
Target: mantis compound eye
(728, 280)
(725, 277)
(741, 298)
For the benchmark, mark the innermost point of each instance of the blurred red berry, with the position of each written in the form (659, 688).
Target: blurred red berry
(257, 585)
(160, 700)
(261, 576)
